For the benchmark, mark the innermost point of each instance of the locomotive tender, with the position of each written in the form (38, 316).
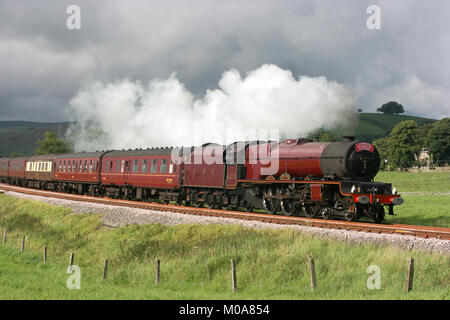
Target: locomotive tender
(294, 177)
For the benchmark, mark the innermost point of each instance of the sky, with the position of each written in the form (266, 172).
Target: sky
(44, 65)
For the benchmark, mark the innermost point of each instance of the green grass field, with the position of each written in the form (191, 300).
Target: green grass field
(195, 261)
(426, 201)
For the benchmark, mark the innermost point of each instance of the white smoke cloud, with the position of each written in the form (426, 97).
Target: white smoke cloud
(129, 114)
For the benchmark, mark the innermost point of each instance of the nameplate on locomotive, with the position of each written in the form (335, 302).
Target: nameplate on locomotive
(364, 146)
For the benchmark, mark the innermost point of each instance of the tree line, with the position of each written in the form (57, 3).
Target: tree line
(407, 139)
(51, 144)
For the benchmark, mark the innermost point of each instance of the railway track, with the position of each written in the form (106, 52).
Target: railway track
(399, 229)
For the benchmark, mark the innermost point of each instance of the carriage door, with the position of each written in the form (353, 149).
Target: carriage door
(126, 171)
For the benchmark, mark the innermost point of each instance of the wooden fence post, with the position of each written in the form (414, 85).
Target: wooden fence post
(409, 274)
(23, 244)
(45, 253)
(233, 275)
(312, 270)
(71, 262)
(4, 237)
(105, 269)
(157, 272)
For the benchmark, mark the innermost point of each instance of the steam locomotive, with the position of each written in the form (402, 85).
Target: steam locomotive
(292, 177)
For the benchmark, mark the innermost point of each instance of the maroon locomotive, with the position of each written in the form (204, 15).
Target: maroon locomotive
(293, 177)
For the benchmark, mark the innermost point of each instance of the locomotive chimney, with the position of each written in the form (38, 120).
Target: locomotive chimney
(349, 138)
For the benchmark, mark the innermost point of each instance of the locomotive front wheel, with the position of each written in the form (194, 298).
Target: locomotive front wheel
(349, 216)
(379, 215)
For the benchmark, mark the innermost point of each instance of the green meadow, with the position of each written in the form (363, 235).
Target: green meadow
(195, 261)
(426, 195)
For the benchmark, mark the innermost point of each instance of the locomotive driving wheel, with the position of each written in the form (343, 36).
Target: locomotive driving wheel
(326, 213)
(288, 207)
(270, 204)
(310, 210)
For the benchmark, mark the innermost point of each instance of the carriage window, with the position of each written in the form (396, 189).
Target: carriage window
(171, 168)
(122, 166)
(95, 165)
(154, 166)
(135, 165)
(107, 166)
(117, 165)
(80, 166)
(90, 165)
(163, 167)
(64, 166)
(74, 164)
(144, 166)
(85, 165)
(46, 166)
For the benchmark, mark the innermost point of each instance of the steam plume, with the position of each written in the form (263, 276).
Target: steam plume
(129, 114)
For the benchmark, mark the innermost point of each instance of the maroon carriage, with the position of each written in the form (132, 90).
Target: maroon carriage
(140, 174)
(39, 171)
(78, 172)
(4, 165)
(17, 168)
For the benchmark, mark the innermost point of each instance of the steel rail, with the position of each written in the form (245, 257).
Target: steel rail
(399, 229)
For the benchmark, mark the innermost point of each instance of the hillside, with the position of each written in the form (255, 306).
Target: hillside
(21, 136)
(372, 126)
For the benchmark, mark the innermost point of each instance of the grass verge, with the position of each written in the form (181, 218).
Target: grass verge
(195, 261)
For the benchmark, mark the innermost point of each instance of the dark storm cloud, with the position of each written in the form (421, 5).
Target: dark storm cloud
(43, 64)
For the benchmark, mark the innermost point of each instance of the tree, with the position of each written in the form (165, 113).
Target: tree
(404, 144)
(438, 140)
(392, 107)
(422, 134)
(16, 155)
(321, 135)
(382, 146)
(52, 145)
